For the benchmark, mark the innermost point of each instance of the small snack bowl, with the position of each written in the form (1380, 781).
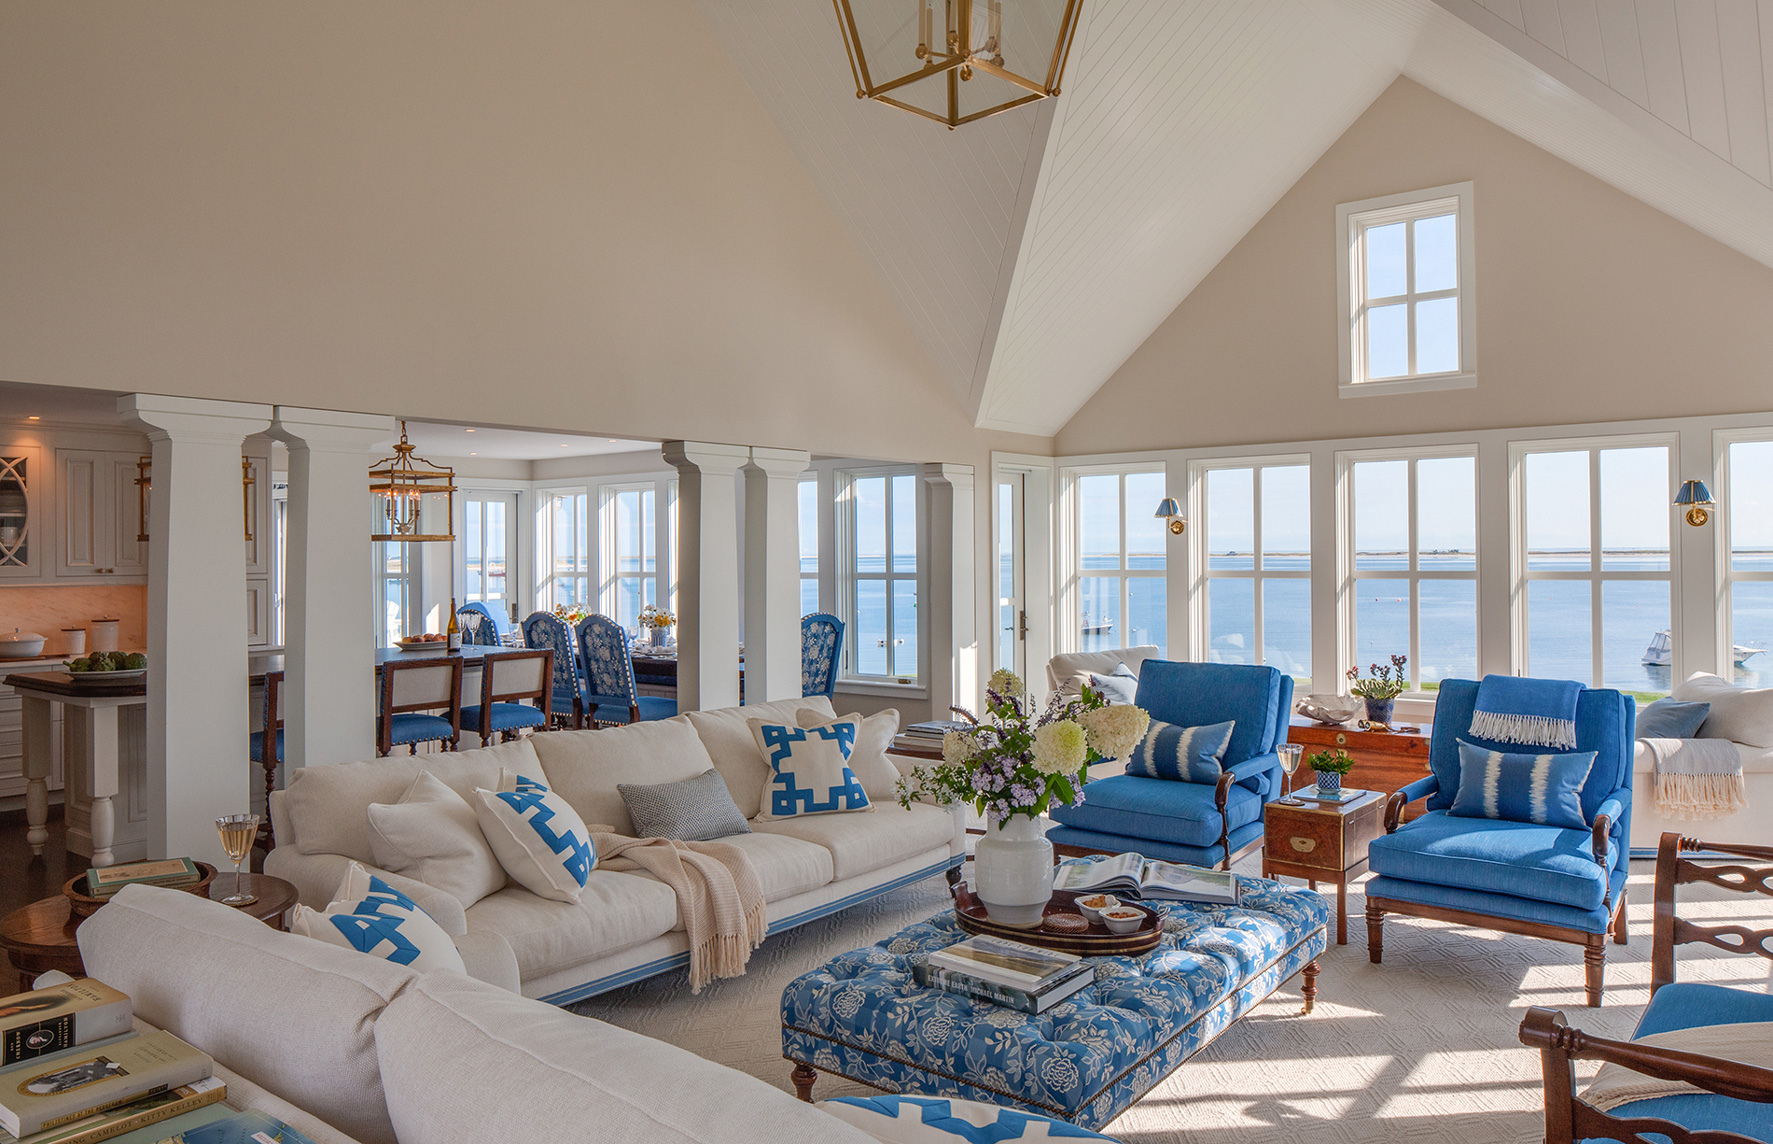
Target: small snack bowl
(1122, 919)
(1092, 905)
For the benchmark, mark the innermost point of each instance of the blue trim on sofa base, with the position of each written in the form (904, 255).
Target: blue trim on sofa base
(681, 960)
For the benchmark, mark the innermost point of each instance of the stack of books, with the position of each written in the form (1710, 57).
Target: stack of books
(1003, 972)
(103, 881)
(927, 735)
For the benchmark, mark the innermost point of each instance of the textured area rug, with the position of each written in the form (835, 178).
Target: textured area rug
(1423, 1047)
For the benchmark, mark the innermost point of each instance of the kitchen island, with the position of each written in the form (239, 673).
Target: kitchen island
(104, 743)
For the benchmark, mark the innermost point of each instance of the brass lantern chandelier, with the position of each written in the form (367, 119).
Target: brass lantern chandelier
(955, 61)
(402, 482)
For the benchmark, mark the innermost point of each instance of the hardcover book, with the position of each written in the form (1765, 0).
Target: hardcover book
(1134, 876)
(1004, 962)
(103, 881)
(46, 1021)
(1036, 1001)
(249, 1127)
(73, 1086)
(130, 1117)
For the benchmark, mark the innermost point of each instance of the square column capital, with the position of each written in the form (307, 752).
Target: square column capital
(958, 477)
(783, 464)
(330, 430)
(194, 419)
(705, 457)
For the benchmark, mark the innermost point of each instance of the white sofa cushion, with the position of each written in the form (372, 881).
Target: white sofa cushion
(291, 1015)
(874, 737)
(329, 805)
(584, 767)
(432, 835)
(614, 912)
(726, 736)
(538, 837)
(370, 916)
(862, 842)
(1063, 669)
(464, 1061)
(785, 866)
(1740, 714)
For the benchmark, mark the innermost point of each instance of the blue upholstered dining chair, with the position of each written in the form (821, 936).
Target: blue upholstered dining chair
(412, 694)
(1200, 823)
(545, 630)
(506, 679)
(1519, 877)
(609, 676)
(821, 642)
(480, 625)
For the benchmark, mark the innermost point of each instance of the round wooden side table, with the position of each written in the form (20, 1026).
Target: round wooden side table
(39, 937)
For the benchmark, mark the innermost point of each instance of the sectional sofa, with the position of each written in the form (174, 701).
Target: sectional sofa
(627, 926)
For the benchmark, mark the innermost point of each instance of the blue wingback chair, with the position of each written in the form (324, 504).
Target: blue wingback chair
(481, 625)
(1541, 881)
(545, 630)
(821, 638)
(1198, 823)
(609, 676)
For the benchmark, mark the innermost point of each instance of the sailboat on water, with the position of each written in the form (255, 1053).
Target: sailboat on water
(1660, 653)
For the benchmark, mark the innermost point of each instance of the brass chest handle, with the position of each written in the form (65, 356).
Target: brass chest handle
(1304, 845)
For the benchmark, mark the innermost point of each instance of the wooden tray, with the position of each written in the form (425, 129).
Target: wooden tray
(82, 905)
(1097, 941)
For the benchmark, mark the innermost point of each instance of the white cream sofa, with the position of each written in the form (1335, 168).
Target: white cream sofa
(627, 927)
(351, 1049)
(1062, 667)
(1751, 825)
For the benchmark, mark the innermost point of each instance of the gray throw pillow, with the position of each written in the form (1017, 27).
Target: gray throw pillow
(1117, 688)
(691, 810)
(1671, 719)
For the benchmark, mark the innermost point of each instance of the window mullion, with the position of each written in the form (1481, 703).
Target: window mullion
(1409, 295)
(1596, 642)
(1256, 652)
(1415, 628)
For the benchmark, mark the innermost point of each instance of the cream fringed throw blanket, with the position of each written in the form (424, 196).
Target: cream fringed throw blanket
(1749, 1044)
(718, 893)
(1698, 778)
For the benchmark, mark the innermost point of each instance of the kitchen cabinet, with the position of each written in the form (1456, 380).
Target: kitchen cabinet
(22, 533)
(255, 494)
(12, 752)
(98, 515)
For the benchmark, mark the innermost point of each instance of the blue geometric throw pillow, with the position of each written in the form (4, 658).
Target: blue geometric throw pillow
(938, 1120)
(538, 838)
(1544, 790)
(372, 917)
(809, 769)
(1185, 754)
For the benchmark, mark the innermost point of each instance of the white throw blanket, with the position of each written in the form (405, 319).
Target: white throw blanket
(1698, 778)
(719, 896)
(1750, 1044)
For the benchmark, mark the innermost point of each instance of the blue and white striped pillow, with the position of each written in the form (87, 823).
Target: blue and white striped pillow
(1183, 754)
(936, 1120)
(1545, 790)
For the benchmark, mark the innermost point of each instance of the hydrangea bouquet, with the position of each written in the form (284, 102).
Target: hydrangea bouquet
(1022, 759)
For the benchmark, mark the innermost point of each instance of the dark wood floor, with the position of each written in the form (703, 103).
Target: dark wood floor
(23, 878)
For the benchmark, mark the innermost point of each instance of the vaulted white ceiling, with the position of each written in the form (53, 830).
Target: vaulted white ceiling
(1034, 251)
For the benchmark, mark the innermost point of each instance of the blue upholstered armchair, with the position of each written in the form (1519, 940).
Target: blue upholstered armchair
(821, 640)
(545, 630)
(1203, 824)
(609, 676)
(1519, 877)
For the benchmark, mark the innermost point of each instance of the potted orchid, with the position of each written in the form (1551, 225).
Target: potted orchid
(1010, 767)
(1379, 689)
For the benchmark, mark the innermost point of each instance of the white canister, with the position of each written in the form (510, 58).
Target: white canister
(101, 635)
(74, 641)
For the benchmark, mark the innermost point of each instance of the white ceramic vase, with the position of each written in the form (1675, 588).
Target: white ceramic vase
(1013, 871)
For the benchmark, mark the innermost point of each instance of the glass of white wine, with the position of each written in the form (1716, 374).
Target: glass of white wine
(1290, 753)
(238, 832)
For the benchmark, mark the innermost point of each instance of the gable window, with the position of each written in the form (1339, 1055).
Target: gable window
(1120, 561)
(878, 573)
(1411, 584)
(1595, 565)
(1256, 529)
(1405, 281)
(1746, 521)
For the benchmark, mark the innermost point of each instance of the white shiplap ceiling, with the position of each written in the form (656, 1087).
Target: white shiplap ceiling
(1034, 251)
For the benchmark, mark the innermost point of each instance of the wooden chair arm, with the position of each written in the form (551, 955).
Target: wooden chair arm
(1222, 791)
(1672, 870)
(1600, 839)
(1394, 810)
(1547, 1031)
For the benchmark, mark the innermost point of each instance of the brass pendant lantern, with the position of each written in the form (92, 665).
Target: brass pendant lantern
(402, 482)
(955, 61)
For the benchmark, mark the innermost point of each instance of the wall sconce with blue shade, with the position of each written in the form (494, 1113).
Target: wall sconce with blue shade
(1169, 510)
(1698, 500)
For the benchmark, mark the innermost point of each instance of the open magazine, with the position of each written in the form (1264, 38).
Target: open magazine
(1134, 876)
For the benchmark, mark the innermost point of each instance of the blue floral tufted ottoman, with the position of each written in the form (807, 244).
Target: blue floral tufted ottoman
(861, 1016)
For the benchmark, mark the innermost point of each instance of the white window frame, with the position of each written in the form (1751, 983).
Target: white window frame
(610, 575)
(848, 577)
(547, 579)
(1073, 572)
(1722, 517)
(1352, 222)
(1347, 575)
(513, 501)
(809, 478)
(1522, 576)
(1200, 561)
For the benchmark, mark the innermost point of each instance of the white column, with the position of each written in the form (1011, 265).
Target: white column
(329, 650)
(772, 573)
(197, 689)
(707, 572)
(947, 615)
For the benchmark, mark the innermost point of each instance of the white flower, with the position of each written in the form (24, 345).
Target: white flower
(1006, 683)
(959, 748)
(1059, 748)
(1114, 731)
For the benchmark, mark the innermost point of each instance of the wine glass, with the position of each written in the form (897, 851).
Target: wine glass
(1290, 753)
(238, 832)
